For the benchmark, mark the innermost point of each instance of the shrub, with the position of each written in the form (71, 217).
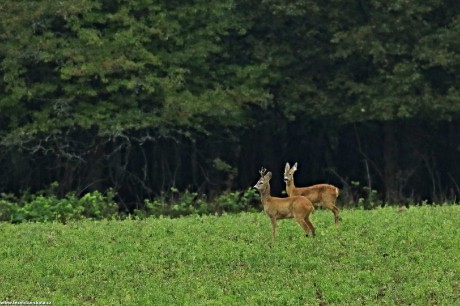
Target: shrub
(50, 208)
(369, 199)
(99, 206)
(41, 208)
(175, 204)
(8, 206)
(237, 201)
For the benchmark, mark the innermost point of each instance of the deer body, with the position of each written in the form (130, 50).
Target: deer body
(321, 194)
(298, 208)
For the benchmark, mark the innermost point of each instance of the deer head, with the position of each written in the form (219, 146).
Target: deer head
(289, 172)
(264, 180)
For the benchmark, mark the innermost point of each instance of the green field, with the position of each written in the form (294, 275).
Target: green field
(381, 256)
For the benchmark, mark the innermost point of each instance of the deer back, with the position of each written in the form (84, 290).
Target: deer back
(317, 193)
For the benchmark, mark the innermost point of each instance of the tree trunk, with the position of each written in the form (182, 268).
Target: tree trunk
(194, 164)
(390, 162)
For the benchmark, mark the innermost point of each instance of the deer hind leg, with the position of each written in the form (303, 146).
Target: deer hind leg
(310, 225)
(329, 203)
(336, 211)
(306, 225)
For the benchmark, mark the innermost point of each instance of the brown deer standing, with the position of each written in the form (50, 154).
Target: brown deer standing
(321, 194)
(297, 207)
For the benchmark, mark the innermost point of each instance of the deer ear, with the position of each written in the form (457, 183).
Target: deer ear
(269, 175)
(295, 166)
(287, 167)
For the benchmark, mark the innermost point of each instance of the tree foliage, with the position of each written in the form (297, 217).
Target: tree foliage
(146, 95)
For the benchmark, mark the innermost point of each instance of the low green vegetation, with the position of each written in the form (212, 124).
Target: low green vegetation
(44, 207)
(47, 206)
(383, 256)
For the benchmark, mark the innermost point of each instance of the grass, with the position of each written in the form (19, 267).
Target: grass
(381, 256)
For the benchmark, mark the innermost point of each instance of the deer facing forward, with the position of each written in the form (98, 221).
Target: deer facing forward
(321, 194)
(297, 207)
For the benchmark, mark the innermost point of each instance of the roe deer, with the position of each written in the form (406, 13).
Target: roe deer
(298, 208)
(321, 194)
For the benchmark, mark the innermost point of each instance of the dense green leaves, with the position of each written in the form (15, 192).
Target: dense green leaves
(97, 62)
(178, 62)
(95, 80)
(388, 58)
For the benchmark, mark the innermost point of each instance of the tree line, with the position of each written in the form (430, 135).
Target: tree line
(145, 96)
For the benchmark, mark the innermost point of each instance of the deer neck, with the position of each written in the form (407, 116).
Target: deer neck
(290, 187)
(265, 194)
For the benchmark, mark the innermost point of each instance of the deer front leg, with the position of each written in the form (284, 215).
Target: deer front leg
(273, 219)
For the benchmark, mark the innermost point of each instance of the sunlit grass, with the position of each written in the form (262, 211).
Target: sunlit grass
(380, 256)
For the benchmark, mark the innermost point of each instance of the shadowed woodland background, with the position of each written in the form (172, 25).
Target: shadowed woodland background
(143, 96)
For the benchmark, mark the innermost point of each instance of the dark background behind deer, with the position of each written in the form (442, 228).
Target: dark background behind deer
(147, 96)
